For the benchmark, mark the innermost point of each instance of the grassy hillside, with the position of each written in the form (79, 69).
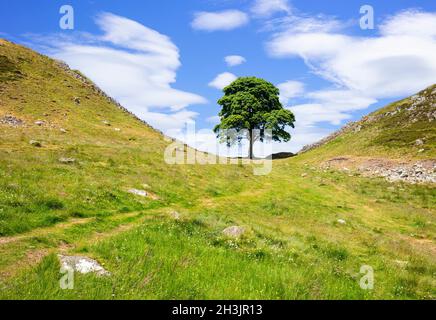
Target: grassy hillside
(295, 246)
(395, 131)
(114, 151)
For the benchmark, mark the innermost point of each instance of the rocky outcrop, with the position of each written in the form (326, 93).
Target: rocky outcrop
(423, 171)
(419, 172)
(11, 121)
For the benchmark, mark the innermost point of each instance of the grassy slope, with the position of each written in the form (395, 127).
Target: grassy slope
(390, 132)
(293, 248)
(38, 190)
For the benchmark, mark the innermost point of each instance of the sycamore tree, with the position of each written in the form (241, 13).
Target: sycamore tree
(249, 107)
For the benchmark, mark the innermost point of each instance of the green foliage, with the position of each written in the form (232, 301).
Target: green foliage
(249, 104)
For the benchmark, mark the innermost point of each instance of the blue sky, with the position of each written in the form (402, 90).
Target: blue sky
(160, 58)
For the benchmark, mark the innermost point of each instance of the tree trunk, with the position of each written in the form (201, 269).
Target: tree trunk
(250, 148)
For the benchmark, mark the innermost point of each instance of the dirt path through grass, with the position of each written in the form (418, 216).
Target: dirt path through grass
(20, 252)
(44, 231)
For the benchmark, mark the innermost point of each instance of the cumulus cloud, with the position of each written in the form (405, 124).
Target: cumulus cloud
(213, 119)
(290, 89)
(266, 8)
(330, 106)
(410, 22)
(388, 65)
(222, 80)
(302, 135)
(222, 20)
(365, 68)
(234, 60)
(397, 62)
(134, 64)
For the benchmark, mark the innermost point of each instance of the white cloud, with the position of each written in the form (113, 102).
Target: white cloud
(171, 123)
(301, 136)
(223, 20)
(290, 89)
(303, 23)
(389, 65)
(266, 8)
(222, 80)
(213, 119)
(311, 113)
(398, 62)
(234, 60)
(329, 106)
(132, 63)
(410, 22)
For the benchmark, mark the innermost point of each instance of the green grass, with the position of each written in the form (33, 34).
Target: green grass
(293, 248)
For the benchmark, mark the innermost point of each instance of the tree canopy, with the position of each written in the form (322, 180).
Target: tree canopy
(251, 105)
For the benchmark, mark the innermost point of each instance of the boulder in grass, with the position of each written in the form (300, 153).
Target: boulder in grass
(35, 143)
(234, 231)
(175, 215)
(39, 123)
(141, 193)
(67, 160)
(82, 265)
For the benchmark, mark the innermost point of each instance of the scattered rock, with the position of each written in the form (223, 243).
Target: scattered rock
(421, 150)
(419, 142)
(342, 221)
(141, 193)
(304, 175)
(76, 100)
(63, 130)
(11, 121)
(423, 171)
(175, 215)
(105, 122)
(35, 143)
(117, 129)
(82, 265)
(39, 123)
(67, 160)
(233, 231)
